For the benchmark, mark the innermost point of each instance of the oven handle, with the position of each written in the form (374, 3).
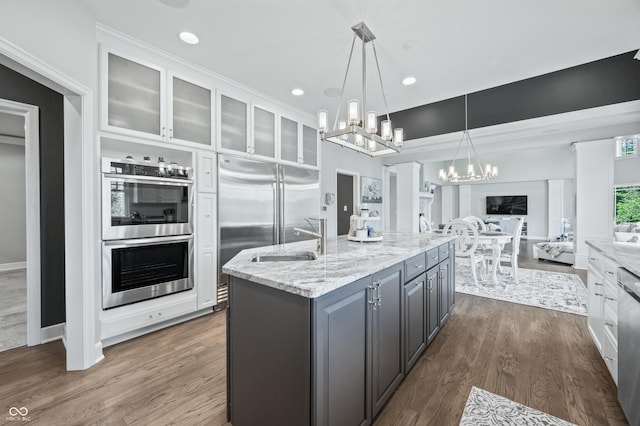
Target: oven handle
(147, 241)
(164, 181)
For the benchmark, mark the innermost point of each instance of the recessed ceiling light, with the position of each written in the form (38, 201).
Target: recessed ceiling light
(189, 38)
(411, 44)
(408, 81)
(297, 92)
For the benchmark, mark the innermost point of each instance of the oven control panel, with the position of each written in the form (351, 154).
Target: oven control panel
(172, 170)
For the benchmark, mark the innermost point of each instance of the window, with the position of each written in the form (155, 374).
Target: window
(627, 146)
(627, 204)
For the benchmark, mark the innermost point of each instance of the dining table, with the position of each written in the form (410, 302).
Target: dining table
(496, 240)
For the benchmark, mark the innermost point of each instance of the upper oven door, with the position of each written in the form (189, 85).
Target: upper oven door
(137, 207)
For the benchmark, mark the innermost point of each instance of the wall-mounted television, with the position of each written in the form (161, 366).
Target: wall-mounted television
(508, 204)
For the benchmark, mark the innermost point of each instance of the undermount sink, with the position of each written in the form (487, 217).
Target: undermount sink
(285, 257)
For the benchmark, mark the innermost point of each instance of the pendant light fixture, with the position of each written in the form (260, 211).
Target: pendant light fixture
(360, 129)
(485, 173)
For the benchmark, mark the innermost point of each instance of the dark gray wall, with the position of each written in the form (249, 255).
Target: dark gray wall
(16, 87)
(603, 82)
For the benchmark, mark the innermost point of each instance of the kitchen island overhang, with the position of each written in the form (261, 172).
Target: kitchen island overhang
(327, 341)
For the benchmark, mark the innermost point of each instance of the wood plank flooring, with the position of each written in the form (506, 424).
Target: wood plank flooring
(541, 358)
(538, 357)
(13, 309)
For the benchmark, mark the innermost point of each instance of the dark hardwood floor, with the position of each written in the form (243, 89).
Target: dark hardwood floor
(541, 358)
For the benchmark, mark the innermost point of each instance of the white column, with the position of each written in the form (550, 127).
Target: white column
(556, 208)
(464, 197)
(408, 176)
(447, 203)
(594, 195)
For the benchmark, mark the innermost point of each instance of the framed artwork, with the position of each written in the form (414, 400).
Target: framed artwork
(371, 190)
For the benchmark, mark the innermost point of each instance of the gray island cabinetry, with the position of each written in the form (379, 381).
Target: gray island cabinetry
(328, 341)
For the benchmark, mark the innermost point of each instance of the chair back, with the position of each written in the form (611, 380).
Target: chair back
(479, 223)
(516, 236)
(467, 240)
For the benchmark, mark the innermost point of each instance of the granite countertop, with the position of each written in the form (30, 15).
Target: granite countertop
(344, 262)
(625, 255)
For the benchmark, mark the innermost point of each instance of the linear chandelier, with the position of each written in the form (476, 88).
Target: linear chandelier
(452, 176)
(356, 132)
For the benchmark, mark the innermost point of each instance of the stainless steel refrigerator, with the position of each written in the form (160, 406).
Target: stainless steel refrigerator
(259, 204)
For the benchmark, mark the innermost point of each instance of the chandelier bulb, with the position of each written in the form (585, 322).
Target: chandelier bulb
(385, 130)
(353, 112)
(398, 136)
(323, 115)
(359, 140)
(372, 145)
(372, 122)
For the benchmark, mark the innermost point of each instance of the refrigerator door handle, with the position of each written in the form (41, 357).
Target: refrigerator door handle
(276, 228)
(282, 236)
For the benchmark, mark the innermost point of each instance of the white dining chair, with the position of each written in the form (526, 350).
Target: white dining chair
(466, 245)
(479, 223)
(511, 256)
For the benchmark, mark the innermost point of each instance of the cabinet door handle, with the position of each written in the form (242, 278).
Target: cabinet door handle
(418, 266)
(163, 133)
(598, 294)
(609, 272)
(608, 324)
(170, 133)
(610, 298)
(608, 358)
(597, 283)
(207, 215)
(592, 258)
(207, 173)
(434, 257)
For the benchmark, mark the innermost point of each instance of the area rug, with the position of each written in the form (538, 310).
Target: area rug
(550, 290)
(487, 409)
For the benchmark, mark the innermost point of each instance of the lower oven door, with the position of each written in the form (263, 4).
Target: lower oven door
(145, 268)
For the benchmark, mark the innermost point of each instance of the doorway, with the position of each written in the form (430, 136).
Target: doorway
(20, 245)
(345, 192)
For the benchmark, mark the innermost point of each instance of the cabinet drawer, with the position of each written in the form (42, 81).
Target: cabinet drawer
(414, 266)
(443, 252)
(611, 321)
(611, 295)
(433, 258)
(610, 271)
(610, 354)
(596, 261)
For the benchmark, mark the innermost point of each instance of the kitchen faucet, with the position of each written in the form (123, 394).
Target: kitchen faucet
(320, 234)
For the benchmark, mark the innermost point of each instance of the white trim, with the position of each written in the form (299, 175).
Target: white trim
(109, 341)
(51, 333)
(12, 266)
(356, 191)
(32, 211)
(81, 198)
(12, 140)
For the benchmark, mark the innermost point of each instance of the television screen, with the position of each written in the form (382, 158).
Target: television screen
(511, 204)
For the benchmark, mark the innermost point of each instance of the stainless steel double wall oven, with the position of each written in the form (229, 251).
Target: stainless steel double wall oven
(147, 231)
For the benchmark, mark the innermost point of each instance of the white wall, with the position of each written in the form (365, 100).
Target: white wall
(61, 33)
(336, 158)
(13, 226)
(537, 203)
(626, 171)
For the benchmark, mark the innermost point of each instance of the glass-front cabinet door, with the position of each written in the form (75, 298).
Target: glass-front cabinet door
(309, 146)
(264, 132)
(190, 111)
(133, 96)
(289, 140)
(234, 121)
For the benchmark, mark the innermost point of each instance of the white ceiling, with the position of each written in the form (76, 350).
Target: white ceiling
(464, 46)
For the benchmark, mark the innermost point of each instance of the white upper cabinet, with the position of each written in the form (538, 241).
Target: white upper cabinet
(298, 143)
(144, 100)
(233, 124)
(190, 111)
(133, 96)
(264, 132)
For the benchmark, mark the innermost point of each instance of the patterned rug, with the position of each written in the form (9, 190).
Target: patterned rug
(550, 290)
(487, 409)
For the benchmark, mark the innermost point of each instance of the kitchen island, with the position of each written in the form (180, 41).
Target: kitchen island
(327, 341)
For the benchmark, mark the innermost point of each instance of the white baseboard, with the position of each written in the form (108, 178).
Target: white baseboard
(137, 333)
(51, 333)
(99, 356)
(12, 266)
